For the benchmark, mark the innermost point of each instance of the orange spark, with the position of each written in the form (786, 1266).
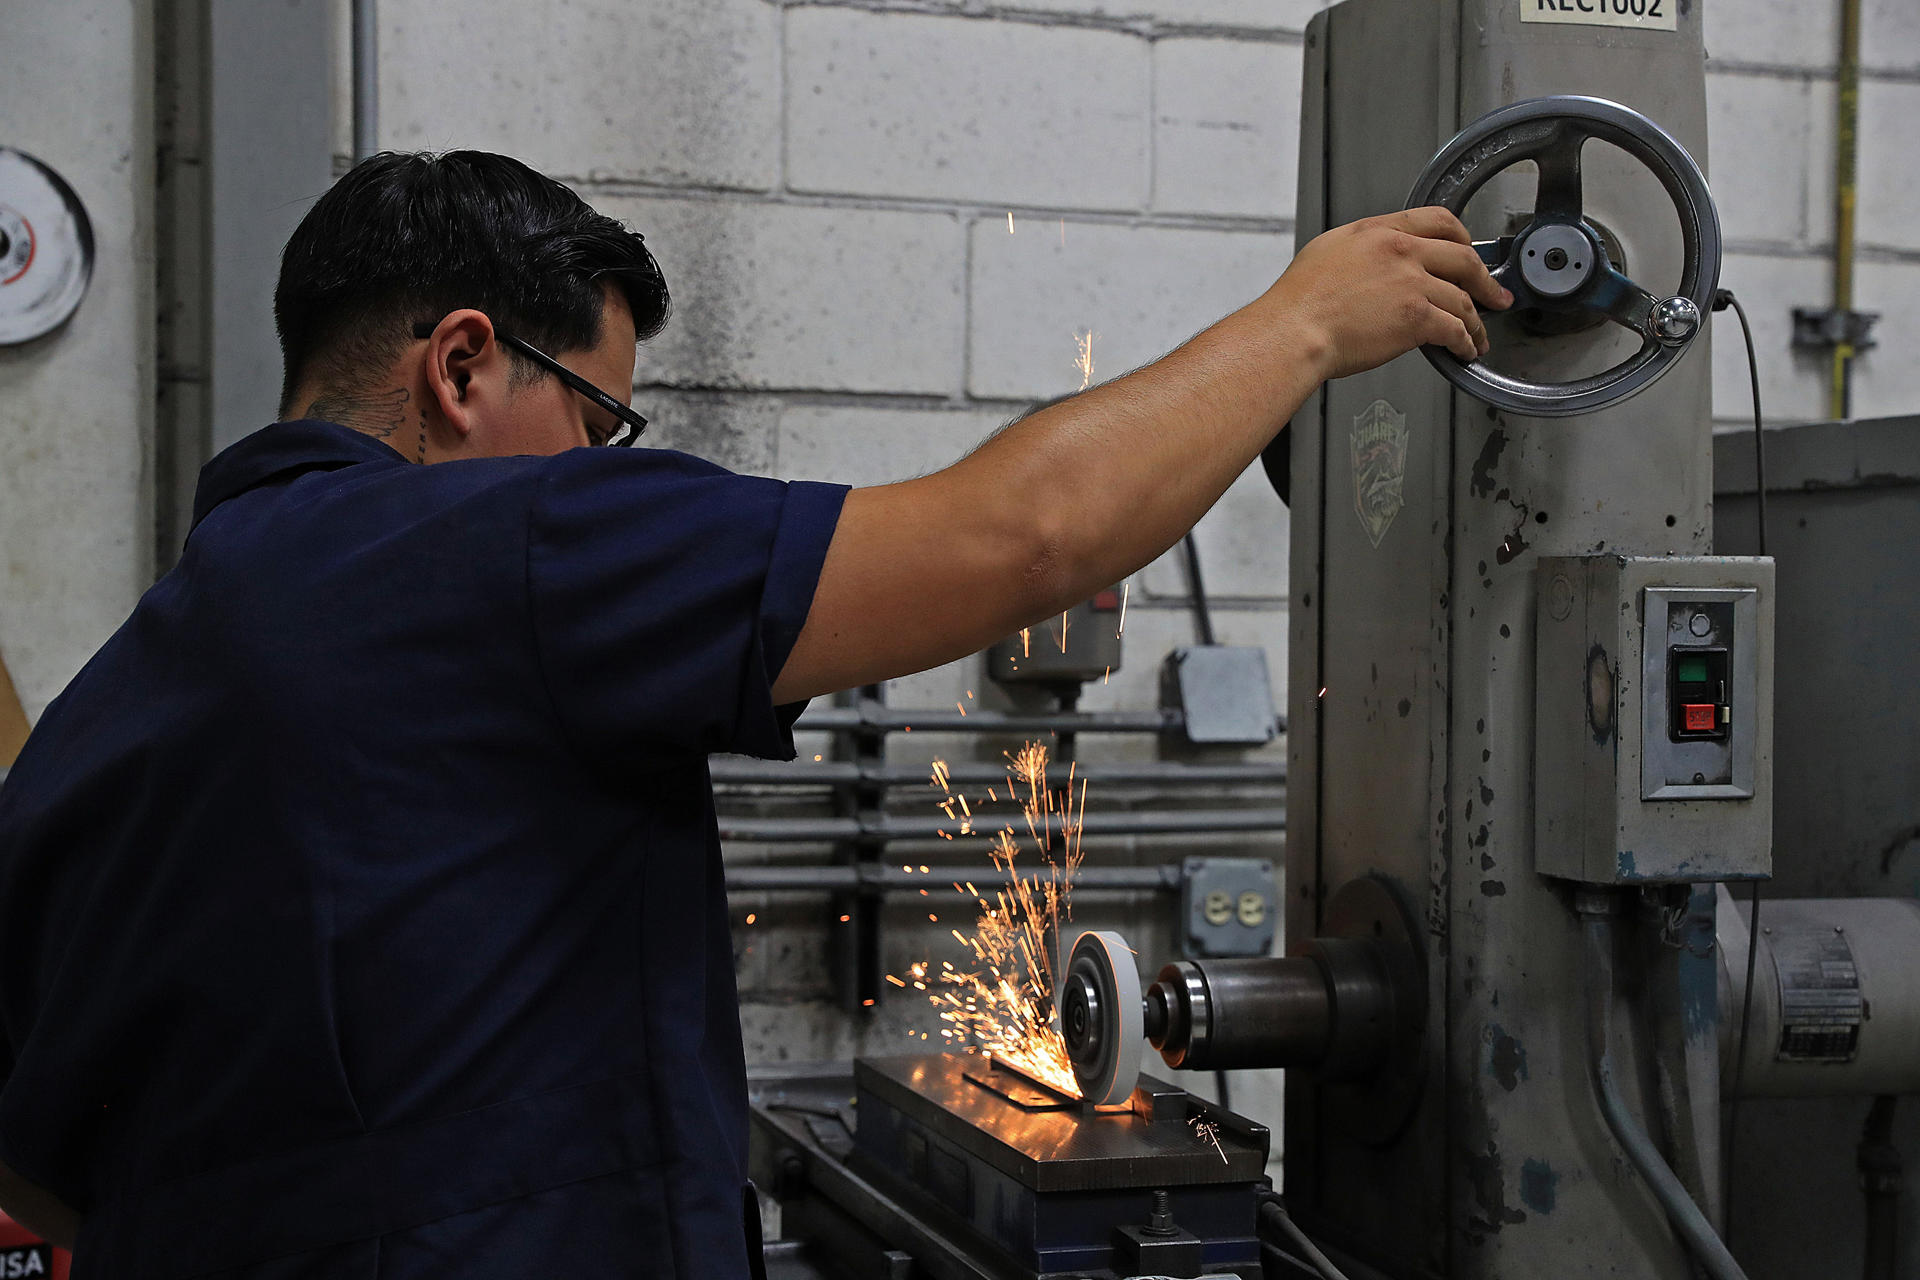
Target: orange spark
(1208, 1131)
(750, 917)
(1083, 357)
(1002, 1003)
(1125, 588)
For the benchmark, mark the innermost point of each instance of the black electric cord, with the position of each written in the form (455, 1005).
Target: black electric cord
(1202, 610)
(1722, 299)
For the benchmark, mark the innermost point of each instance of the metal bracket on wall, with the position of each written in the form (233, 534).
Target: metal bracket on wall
(1825, 328)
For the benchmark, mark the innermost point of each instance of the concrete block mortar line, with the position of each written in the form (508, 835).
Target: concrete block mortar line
(966, 308)
(1146, 28)
(1152, 149)
(640, 190)
(833, 398)
(1812, 75)
(1889, 255)
(786, 113)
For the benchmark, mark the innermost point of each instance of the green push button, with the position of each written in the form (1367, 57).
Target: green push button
(1691, 670)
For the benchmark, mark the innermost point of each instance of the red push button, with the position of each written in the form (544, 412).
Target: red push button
(1699, 717)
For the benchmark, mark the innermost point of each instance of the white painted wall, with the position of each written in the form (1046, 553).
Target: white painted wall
(76, 407)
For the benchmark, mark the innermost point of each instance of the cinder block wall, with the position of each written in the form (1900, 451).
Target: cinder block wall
(1772, 98)
(830, 184)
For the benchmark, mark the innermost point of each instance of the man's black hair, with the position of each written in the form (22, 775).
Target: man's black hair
(403, 239)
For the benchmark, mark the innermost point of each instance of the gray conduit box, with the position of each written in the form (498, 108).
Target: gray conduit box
(1653, 702)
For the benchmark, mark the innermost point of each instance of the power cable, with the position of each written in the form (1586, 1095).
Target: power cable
(1722, 299)
(1202, 610)
(1274, 1209)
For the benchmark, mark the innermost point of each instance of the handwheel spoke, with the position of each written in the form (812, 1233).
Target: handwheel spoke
(1623, 302)
(1558, 197)
(1498, 255)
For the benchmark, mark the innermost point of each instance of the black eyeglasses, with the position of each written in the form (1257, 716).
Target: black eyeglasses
(630, 423)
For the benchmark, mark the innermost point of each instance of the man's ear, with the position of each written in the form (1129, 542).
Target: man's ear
(466, 368)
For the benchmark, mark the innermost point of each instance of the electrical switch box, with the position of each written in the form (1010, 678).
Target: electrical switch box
(1064, 652)
(1653, 711)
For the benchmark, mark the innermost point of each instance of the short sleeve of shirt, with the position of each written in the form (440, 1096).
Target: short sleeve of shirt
(666, 594)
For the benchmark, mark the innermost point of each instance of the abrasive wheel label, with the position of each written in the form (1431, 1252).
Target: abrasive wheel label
(1650, 15)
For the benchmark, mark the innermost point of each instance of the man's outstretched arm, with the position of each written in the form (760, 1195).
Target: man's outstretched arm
(1082, 493)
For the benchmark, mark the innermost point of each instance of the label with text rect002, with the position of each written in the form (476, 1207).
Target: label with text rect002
(1653, 15)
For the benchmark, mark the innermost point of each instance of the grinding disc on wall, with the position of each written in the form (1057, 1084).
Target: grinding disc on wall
(46, 248)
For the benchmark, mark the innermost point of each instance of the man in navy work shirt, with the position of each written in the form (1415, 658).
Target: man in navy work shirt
(361, 908)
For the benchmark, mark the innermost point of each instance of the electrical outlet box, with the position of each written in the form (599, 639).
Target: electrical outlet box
(1653, 719)
(1230, 906)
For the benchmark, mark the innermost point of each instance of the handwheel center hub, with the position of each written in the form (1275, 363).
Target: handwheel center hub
(1558, 260)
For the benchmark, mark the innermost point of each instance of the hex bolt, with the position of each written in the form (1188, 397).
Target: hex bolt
(1160, 1219)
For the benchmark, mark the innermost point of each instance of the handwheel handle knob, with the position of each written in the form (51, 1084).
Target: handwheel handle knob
(1674, 321)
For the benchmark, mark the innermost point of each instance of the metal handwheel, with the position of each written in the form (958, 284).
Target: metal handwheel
(1558, 263)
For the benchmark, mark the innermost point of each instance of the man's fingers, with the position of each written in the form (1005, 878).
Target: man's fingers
(1434, 223)
(1457, 304)
(1461, 265)
(1446, 329)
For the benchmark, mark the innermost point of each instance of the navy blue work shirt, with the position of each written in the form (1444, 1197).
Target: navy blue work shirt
(361, 907)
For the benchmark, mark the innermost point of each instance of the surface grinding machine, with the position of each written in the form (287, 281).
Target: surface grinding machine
(1530, 747)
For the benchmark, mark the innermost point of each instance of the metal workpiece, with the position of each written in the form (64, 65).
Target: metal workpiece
(1836, 999)
(1626, 791)
(1419, 514)
(1557, 265)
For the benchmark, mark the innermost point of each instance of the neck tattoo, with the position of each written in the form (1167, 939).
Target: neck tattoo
(374, 413)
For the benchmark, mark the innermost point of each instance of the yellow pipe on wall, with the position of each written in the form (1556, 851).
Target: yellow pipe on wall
(1845, 157)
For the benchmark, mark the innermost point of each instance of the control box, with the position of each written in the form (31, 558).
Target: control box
(1070, 649)
(1653, 719)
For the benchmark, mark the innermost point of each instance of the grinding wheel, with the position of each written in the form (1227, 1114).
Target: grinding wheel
(1101, 1017)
